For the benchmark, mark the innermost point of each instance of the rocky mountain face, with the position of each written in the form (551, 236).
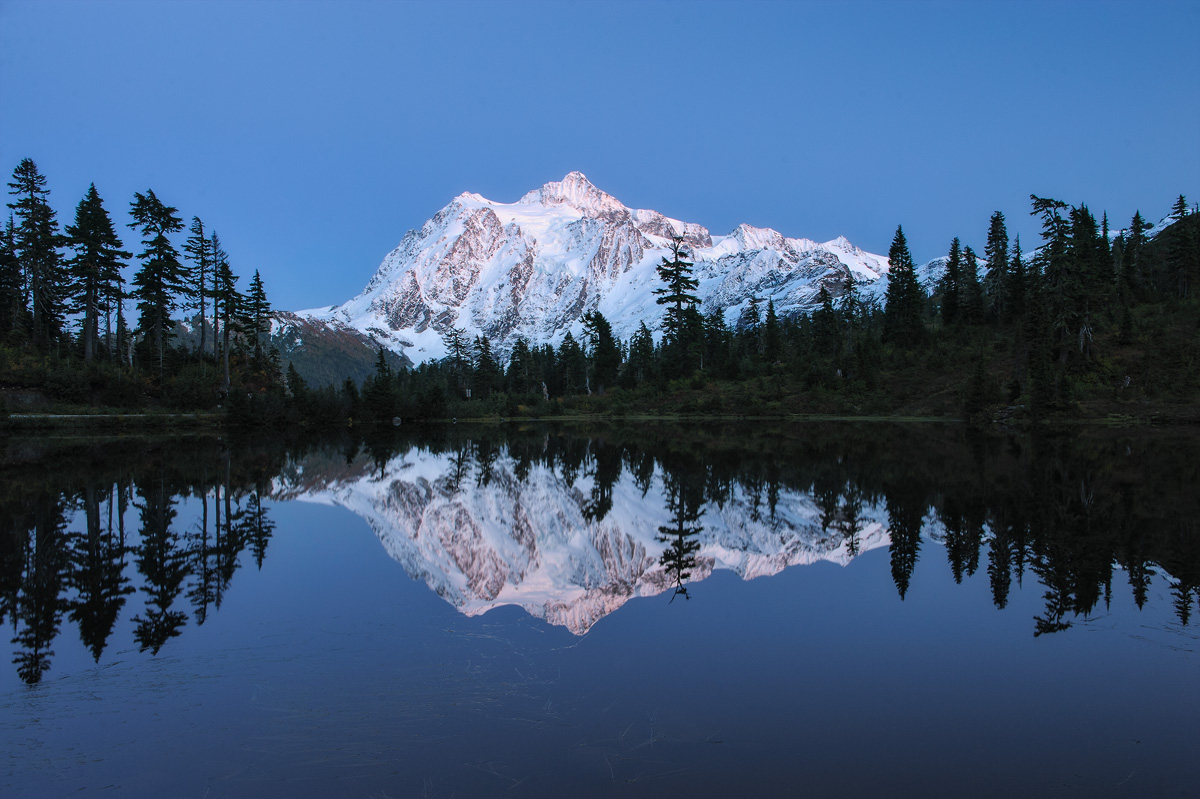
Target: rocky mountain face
(532, 268)
(485, 534)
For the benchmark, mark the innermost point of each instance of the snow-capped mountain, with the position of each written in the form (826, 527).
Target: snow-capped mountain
(482, 536)
(532, 268)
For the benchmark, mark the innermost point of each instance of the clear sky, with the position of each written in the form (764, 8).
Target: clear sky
(312, 135)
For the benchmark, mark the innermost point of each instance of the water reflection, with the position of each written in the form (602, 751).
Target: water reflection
(571, 526)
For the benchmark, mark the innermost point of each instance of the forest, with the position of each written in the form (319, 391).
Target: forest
(1090, 324)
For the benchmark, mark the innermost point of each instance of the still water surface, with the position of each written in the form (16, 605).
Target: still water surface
(838, 610)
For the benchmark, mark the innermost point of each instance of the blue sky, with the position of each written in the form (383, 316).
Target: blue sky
(312, 135)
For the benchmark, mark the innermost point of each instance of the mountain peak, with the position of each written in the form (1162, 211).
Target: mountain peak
(576, 191)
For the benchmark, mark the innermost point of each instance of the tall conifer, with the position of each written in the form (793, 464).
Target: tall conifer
(95, 266)
(37, 241)
(161, 279)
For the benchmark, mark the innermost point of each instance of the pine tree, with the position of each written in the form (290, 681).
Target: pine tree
(1017, 282)
(1130, 265)
(970, 290)
(226, 301)
(37, 241)
(826, 338)
(95, 266)
(640, 364)
(256, 315)
(520, 375)
(12, 300)
(1059, 285)
(199, 250)
(603, 351)
(161, 278)
(572, 366)
(1180, 209)
(905, 297)
(772, 338)
(952, 285)
(676, 291)
(996, 281)
(487, 370)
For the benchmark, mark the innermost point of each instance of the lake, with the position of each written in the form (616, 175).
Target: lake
(619, 609)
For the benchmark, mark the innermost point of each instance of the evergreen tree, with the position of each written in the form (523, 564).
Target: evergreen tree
(487, 371)
(640, 364)
(1130, 264)
(256, 315)
(226, 302)
(161, 278)
(199, 250)
(12, 300)
(95, 266)
(603, 350)
(1017, 281)
(772, 339)
(572, 366)
(970, 290)
(826, 337)
(520, 375)
(676, 292)
(37, 241)
(1060, 285)
(997, 281)
(951, 285)
(1180, 209)
(905, 297)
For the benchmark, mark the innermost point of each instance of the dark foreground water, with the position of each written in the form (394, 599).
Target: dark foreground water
(845, 610)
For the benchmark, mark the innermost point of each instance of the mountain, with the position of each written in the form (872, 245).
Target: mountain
(486, 534)
(532, 268)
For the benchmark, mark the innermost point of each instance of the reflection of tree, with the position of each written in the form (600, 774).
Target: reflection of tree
(685, 500)
(163, 563)
(98, 572)
(849, 519)
(606, 468)
(260, 526)
(906, 511)
(40, 605)
(963, 520)
(486, 453)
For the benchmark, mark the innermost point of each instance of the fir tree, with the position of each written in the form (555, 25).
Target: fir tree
(676, 291)
(970, 290)
(640, 363)
(952, 285)
(161, 278)
(905, 297)
(572, 366)
(95, 266)
(772, 338)
(1017, 280)
(520, 375)
(603, 350)
(226, 302)
(487, 370)
(37, 241)
(12, 300)
(1180, 209)
(256, 314)
(199, 250)
(996, 282)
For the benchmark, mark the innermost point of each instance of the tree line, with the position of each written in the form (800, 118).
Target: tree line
(63, 295)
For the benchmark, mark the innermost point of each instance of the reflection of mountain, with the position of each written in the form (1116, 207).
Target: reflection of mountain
(481, 537)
